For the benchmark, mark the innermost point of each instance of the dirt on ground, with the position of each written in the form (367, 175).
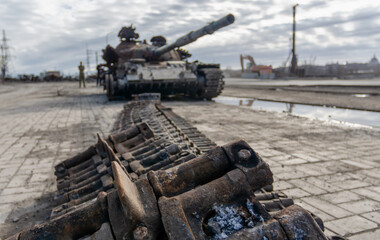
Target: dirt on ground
(26, 214)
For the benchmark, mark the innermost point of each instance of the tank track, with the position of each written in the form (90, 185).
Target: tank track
(214, 83)
(158, 177)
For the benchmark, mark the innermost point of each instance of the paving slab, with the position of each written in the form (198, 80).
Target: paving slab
(339, 180)
(353, 224)
(38, 129)
(330, 169)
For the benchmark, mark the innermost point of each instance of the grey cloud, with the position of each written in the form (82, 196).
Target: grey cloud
(313, 4)
(64, 48)
(370, 15)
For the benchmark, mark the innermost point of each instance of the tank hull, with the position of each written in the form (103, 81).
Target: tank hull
(165, 87)
(168, 78)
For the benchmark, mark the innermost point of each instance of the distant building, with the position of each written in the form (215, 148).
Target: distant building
(347, 70)
(374, 61)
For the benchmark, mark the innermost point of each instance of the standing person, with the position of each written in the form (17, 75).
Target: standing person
(99, 75)
(81, 75)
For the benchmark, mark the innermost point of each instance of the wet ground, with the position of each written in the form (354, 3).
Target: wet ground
(330, 114)
(329, 168)
(303, 82)
(344, 94)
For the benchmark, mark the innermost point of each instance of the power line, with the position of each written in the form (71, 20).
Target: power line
(96, 58)
(88, 53)
(5, 57)
(293, 68)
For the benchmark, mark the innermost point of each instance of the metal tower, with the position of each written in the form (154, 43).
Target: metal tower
(293, 68)
(88, 53)
(4, 56)
(96, 58)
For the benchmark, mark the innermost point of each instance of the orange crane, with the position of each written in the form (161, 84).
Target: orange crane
(252, 67)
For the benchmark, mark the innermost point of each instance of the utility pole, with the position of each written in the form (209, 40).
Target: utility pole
(88, 52)
(96, 57)
(4, 56)
(293, 68)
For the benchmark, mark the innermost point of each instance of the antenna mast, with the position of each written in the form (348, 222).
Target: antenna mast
(88, 52)
(4, 56)
(293, 68)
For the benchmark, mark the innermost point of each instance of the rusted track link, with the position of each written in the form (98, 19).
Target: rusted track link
(193, 200)
(157, 177)
(151, 140)
(164, 123)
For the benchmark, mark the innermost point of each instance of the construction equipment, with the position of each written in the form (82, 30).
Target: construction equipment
(157, 177)
(253, 70)
(294, 66)
(138, 67)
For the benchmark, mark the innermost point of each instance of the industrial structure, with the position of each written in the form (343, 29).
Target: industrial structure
(253, 70)
(293, 68)
(348, 70)
(5, 57)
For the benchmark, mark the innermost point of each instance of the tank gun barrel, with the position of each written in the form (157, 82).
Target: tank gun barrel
(194, 35)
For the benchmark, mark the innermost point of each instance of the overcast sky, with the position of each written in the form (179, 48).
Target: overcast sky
(52, 34)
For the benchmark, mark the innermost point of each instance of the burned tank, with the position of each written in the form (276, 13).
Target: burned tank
(137, 67)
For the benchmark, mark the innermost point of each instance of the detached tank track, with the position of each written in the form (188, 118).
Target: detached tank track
(214, 83)
(155, 174)
(164, 124)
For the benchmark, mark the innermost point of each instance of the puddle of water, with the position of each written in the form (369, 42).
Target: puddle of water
(359, 95)
(316, 112)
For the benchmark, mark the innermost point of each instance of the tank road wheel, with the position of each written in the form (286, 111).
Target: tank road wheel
(198, 92)
(109, 87)
(213, 83)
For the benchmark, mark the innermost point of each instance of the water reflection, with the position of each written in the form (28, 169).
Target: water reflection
(247, 103)
(323, 113)
(360, 95)
(289, 107)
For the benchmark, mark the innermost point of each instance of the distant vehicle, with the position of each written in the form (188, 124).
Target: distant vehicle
(253, 70)
(52, 76)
